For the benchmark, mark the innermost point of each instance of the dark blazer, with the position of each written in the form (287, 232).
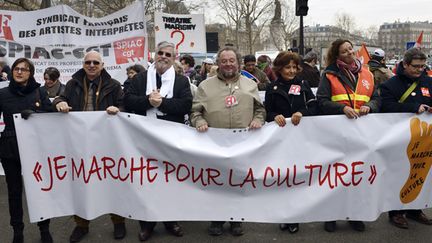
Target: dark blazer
(111, 92)
(393, 89)
(136, 100)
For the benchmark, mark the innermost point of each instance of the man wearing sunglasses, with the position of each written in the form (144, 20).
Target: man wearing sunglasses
(408, 91)
(160, 93)
(92, 89)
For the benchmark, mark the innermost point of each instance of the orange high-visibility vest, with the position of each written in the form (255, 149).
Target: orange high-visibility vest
(362, 94)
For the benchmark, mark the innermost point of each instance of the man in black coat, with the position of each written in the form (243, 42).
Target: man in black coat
(160, 93)
(408, 91)
(92, 89)
(310, 72)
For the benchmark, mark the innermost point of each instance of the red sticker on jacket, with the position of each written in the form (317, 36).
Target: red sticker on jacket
(230, 101)
(425, 91)
(294, 89)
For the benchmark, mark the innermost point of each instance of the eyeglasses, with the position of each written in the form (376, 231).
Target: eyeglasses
(90, 62)
(167, 54)
(21, 70)
(418, 66)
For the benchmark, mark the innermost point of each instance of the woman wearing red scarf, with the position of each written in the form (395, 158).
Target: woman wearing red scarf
(348, 88)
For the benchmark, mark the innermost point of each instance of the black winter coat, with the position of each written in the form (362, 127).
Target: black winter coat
(175, 108)
(111, 93)
(393, 89)
(279, 102)
(311, 74)
(14, 99)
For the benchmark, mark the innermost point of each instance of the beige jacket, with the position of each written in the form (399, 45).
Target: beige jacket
(209, 104)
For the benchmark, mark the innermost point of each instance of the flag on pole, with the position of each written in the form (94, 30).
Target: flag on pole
(363, 55)
(419, 41)
(248, 75)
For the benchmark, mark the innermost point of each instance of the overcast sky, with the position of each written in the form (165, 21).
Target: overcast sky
(365, 12)
(369, 12)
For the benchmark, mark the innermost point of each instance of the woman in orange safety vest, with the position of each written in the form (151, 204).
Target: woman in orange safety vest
(348, 88)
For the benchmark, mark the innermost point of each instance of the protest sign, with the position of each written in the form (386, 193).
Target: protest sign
(186, 31)
(326, 168)
(59, 37)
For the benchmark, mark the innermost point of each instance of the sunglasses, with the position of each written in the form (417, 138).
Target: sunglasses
(167, 54)
(90, 62)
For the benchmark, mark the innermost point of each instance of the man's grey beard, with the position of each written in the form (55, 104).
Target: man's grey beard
(228, 75)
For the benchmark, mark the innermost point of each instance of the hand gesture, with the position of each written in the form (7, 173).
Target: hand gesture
(63, 107)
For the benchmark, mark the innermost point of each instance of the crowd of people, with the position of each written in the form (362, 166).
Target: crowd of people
(221, 94)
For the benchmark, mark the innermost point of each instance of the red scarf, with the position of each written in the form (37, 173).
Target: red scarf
(349, 69)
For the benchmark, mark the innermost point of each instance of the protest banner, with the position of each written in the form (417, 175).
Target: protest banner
(59, 37)
(186, 31)
(326, 168)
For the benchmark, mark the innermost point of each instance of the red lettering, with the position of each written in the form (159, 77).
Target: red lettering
(108, 167)
(250, 178)
(180, 166)
(150, 168)
(268, 169)
(51, 177)
(94, 169)
(79, 171)
(59, 167)
(339, 174)
(168, 170)
(212, 176)
(326, 177)
(285, 180)
(294, 177)
(230, 180)
(139, 169)
(354, 172)
(199, 177)
(122, 160)
(311, 168)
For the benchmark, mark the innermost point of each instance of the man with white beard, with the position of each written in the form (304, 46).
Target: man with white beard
(160, 93)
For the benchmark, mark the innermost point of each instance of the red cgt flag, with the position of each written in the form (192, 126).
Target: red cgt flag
(363, 55)
(419, 40)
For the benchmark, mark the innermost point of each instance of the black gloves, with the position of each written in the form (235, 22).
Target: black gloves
(25, 114)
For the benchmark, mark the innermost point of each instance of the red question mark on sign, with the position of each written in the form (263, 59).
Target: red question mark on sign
(181, 40)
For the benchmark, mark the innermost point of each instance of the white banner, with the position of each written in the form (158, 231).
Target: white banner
(327, 168)
(59, 37)
(186, 31)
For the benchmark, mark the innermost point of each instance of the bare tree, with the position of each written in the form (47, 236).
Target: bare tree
(345, 22)
(99, 8)
(253, 11)
(283, 25)
(371, 33)
(23, 5)
(249, 15)
(233, 16)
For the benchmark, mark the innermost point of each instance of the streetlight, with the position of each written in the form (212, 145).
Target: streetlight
(301, 10)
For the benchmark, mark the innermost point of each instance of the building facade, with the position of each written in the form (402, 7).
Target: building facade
(393, 37)
(320, 37)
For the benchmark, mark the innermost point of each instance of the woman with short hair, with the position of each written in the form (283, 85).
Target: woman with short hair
(23, 95)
